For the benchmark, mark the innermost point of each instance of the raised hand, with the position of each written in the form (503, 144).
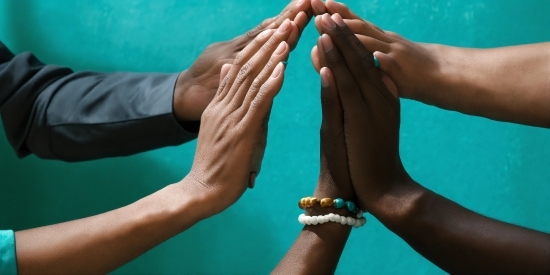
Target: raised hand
(371, 114)
(318, 248)
(196, 86)
(233, 124)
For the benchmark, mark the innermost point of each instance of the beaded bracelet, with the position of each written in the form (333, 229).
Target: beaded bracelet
(314, 220)
(326, 203)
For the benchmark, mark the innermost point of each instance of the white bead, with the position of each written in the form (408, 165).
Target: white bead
(351, 221)
(320, 219)
(308, 220)
(343, 220)
(363, 221)
(359, 214)
(314, 220)
(330, 217)
(357, 223)
(337, 218)
(301, 219)
(324, 218)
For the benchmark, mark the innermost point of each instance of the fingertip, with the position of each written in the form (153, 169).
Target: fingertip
(318, 24)
(315, 59)
(278, 71)
(252, 180)
(325, 74)
(338, 19)
(225, 69)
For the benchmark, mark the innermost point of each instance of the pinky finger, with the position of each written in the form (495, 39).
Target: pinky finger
(261, 104)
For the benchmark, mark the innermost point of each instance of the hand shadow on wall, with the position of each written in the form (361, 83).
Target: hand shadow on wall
(37, 192)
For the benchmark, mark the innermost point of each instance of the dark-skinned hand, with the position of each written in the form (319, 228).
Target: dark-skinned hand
(371, 114)
(196, 86)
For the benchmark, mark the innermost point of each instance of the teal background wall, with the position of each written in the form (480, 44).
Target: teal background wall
(498, 169)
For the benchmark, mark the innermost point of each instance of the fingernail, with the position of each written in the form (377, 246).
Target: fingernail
(338, 19)
(284, 27)
(327, 21)
(277, 71)
(318, 5)
(324, 80)
(281, 48)
(300, 3)
(327, 43)
(265, 33)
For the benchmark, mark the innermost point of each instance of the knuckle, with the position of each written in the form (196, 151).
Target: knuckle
(256, 85)
(243, 73)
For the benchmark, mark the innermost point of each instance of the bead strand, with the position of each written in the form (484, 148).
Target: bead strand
(326, 203)
(357, 222)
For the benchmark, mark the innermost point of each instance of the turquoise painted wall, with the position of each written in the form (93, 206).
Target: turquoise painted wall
(498, 169)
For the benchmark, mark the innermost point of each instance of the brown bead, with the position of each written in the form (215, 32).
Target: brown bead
(327, 202)
(314, 201)
(308, 202)
(301, 204)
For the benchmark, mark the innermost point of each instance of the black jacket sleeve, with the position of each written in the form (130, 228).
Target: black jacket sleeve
(56, 113)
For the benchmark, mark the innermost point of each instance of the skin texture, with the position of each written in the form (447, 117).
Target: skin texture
(507, 84)
(231, 127)
(197, 85)
(319, 247)
(452, 237)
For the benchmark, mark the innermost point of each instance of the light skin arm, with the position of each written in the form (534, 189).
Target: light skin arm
(507, 84)
(219, 176)
(452, 237)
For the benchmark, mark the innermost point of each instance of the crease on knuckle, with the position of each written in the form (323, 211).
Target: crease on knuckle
(256, 85)
(243, 73)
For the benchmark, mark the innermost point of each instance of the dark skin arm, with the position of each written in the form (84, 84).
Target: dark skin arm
(452, 237)
(508, 84)
(319, 247)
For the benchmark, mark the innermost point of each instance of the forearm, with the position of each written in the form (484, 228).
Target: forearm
(102, 243)
(461, 241)
(318, 248)
(508, 84)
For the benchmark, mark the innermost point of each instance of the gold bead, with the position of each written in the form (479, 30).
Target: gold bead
(327, 202)
(308, 202)
(314, 201)
(301, 204)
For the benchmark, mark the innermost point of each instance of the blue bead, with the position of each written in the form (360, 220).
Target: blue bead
(350, 205)
(338, 203)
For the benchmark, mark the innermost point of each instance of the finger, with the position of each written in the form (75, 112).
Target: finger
(389, 68)
(364, 28)
(373, 44)
(245, 74)
(333, 118)
(259, 107)
(348, 90)
(341, 8)
(360, 62)
(300, 22)
(318, 7)
(225, 69)
(240, 60)
(318, 24)
(294, 36)
(247, 93)
(252, 180)
(315, 59)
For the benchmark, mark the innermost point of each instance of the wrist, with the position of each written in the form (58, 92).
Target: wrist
(194, 201)
(397, 206)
